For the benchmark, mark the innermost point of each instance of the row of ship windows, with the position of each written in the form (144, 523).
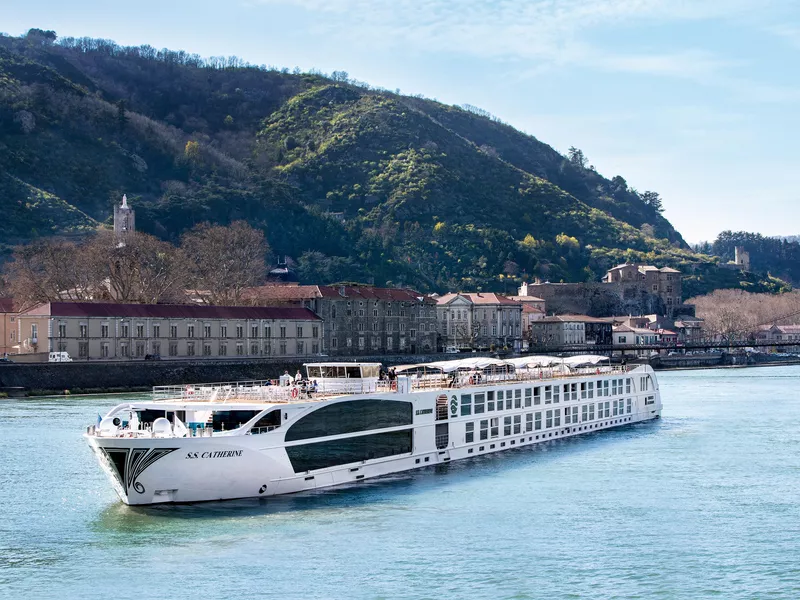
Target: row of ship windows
(551, 394)
(549, 435)
(512, 425)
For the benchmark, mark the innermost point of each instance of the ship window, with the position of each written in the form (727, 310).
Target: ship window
(517, 424)
(314, 372)
(507, 426)
(479, 404)
(350, 417)
(548, 394)
(495, 429)
(528, 397)
(591, 390)
(529, 422)
(321, 455)
(549, 421)
(556, 391)
(225, 420)
(628, 385)
(470, 431)
(517, 398)
(537, 396)
(629, 405)
(484, 430)
(584, 412)
(557, 417)
(466, 405)
(538, 421)
(267, 422)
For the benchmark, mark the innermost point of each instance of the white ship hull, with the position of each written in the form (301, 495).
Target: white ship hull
(148, 470)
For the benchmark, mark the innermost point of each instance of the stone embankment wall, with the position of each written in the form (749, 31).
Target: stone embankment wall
(141, 375)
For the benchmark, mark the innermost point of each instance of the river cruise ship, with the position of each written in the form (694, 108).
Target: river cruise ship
(345, 422)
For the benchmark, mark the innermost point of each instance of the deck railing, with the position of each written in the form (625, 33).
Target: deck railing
(262, 391)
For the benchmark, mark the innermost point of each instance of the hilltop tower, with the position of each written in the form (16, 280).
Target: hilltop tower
(124, 218)
(742, 258)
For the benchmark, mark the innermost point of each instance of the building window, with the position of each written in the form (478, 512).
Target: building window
(139, 330)
(206, 349)
(314, 331)
(83, 349)
(360, 327)
(267, 331)
(254, 349)
(173, 349)
(223, 350)
(104, 350)
(254, 331)
(123, 350)
(282, 348)
(301, 347)
(361, 343)
(104, 330)
(206, 331)
(124, 330)
(223, 331)
(349, 342)
(239, 332)
(239, 349)
(283, 332)
(190, 332)
(139, 349)
(388, 343)
(190, 349)
(156, 331)
(157, 348)
(62, 330)
(173, 331)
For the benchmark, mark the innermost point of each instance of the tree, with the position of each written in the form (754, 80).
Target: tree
(225, 261)
(192, 150)
(576, 157)
(653, 200)
(48, 270)
(122, 118)
(140, 269)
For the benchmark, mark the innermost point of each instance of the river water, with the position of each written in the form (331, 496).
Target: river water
(704, 503)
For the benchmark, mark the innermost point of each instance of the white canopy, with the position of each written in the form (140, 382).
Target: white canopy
(447, 366)
(529, 362)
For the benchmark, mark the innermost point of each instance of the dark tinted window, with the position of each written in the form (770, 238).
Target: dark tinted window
(350, 417)
(320, 455)
(231, 419)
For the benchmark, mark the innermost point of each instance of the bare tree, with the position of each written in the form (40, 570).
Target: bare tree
(736, 314)
(225, 261)
(49, 270)
(138, 268)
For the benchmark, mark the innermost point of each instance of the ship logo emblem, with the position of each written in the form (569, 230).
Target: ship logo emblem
(453, 406)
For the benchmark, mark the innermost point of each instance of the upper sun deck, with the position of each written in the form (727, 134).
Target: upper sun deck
(339, 379)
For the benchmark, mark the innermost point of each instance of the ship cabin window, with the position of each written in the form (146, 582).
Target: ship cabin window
(538, 421)
(591, 412)
(490, 401)
(508, 399)
(470, 433)
(557, 417)
(342, 372)
(537, 396)
(555, 393)
(466, 405)
(613, 387)
(517, 398)
(583, 391)
(585, 413)
(351, 416)
(548, 394)
(479, 403)
(574, 391)
(321, 455)
(484, 432)
(591, 389)
(628, 385)
(495, 427)
(225, 420)
(529, 422)
(517, 424)
(629, 405)
(566, 392)
(267, 422)
(528, 392)
(548, 419)
(507, 426)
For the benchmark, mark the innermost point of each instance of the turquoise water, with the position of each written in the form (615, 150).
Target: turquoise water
(704, 503)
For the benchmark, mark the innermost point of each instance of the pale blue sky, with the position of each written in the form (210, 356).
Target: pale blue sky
(697, 100)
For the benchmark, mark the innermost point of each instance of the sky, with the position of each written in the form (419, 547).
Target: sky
(697, 100)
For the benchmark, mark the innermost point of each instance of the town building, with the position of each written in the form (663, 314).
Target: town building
(361, 319)
(8, 327)
(780, 333)
(625, 335)
(91, 331)
(689, 328)
(664, 283)
(561, 330)
(479, 321)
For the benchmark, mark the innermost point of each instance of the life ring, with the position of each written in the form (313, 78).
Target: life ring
(394, 385)
(295, 392)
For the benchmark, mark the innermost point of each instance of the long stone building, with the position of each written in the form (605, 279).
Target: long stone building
(127, 331)
(361, 319)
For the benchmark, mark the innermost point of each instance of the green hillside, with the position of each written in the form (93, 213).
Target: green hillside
(351, 183)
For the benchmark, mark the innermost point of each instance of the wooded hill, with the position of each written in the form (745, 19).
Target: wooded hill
(353, 183)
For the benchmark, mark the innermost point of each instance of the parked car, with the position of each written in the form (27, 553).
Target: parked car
(59, 357)
(451, 350)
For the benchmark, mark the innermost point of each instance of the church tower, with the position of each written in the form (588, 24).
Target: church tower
(124, 218)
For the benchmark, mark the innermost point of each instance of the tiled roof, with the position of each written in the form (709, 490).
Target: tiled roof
(7, 305)
(170, 311)
(489, 298)
(526, 298)
(622, 329)
(368, 292)
(574, 319)
(285, 292)
(527, 308)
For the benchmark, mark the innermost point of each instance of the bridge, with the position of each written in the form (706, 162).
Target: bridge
(705, 345)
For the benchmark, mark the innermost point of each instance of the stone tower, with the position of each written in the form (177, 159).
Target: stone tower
(124, 218)
(742, 258)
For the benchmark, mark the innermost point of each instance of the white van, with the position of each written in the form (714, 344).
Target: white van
(451, 350)
(60, 357)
